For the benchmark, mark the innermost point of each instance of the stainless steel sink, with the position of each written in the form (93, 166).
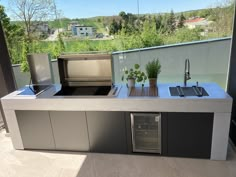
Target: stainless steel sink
(188, 91)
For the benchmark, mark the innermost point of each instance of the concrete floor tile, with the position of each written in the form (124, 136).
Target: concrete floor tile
(19, 163)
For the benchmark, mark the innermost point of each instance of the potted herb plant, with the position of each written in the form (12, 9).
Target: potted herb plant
(153, 69)
(134, 75)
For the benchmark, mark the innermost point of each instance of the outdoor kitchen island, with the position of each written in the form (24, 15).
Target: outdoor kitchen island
(192, 126)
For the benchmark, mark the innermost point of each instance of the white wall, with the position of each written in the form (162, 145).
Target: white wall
(82, 33)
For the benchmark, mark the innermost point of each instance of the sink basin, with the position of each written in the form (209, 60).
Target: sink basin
(188, 91)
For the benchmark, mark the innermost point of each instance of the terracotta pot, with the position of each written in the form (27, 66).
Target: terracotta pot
(131, 82)
(152, 82)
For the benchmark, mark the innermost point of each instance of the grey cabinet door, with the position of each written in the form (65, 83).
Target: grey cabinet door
(189, 134)
(35, 128)
(70, 130)
(107, 132)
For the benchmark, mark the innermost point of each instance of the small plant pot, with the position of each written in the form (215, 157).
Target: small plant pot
(131, 83)
(153, 82)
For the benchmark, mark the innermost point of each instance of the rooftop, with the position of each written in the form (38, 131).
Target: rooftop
(194, 20)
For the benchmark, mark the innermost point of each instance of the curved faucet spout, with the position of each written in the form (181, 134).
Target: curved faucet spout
(186, 72)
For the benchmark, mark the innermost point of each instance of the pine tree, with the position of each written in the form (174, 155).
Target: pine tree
(181, 20)
(171, 22)
(113, 27)
(159, 22)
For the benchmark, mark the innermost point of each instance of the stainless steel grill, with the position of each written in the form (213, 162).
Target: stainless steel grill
(86, 75)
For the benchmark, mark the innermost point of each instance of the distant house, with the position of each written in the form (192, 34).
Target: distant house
(197, 22)
(83, 31)
(40, 27)
(71, 24)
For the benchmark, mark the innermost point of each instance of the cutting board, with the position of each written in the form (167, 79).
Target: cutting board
(143, 91)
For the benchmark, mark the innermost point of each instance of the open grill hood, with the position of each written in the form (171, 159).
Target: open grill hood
(86, 75)
(85, 70)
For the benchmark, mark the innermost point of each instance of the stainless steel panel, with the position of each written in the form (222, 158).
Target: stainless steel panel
(89, 69)
(85, 70)
(87, 83)
(40, 69)
(146, 132)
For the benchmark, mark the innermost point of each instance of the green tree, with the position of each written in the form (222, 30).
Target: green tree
(14, 36)
(30, 11)
(164, 24)
(181, 20)
(120, 25)
(99, 20)
(204, 13)
(159, 23)
(61, 43)
(171, 25)
(129, 22)
(149, 34)
(131, 18)
(114, 27)
(222, 17)
(124, 16)
(24, 52)
(187, 35)
(129, 41)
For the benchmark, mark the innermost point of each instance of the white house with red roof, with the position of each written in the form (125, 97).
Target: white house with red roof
(197, 22)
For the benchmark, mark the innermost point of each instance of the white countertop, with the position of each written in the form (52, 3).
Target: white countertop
(217, 101)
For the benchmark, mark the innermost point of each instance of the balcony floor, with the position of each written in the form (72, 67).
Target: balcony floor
(17, 163)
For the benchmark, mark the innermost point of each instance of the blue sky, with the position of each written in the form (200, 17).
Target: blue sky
(90, 8)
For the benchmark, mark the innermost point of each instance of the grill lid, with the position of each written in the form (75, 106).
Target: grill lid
(85, 70)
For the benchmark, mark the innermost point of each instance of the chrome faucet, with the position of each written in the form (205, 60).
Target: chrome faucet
(186, 72)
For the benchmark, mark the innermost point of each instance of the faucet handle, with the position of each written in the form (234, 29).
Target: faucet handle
(188, 77)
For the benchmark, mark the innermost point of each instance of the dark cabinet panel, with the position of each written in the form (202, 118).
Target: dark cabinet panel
(107, 132)
(232, 132)
(189, 134)
(164, 131)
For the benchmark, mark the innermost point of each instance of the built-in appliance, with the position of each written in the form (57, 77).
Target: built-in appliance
(33, 90)
(146, 132)
(86, 75)
(41, 75)
(40, 69)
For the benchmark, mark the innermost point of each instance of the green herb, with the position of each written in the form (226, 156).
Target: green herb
(153, 68)
(135, 73)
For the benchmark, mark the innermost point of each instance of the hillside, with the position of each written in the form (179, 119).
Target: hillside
(100, 22)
